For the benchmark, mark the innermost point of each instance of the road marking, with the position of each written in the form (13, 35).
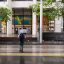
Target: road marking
(32, 54)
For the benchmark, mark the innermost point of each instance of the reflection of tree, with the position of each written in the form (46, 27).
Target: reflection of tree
(22, 60)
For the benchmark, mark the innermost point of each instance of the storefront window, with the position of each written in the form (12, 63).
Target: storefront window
(22, 18)
(45, 23)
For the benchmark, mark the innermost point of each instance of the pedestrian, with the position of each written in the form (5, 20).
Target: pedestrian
(22, 39)
(16, 30)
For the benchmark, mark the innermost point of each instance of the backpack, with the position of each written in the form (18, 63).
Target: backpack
(22, 36)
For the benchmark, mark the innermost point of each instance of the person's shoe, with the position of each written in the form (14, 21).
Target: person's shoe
(21, 51)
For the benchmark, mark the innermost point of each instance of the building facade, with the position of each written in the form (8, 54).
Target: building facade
(23, 17)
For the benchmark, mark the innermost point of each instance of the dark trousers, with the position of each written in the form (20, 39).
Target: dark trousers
(21, 46)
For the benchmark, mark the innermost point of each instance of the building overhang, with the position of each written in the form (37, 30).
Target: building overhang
(21, 4)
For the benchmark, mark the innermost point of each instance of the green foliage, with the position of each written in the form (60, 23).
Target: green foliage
(51, 12)
(35, 8)
(5, 14)
(63, 1)
(47, 2)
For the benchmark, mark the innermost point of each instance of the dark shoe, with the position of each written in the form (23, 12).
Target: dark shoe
(21, 51)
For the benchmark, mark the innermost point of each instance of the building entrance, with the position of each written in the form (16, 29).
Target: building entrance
(22, 18)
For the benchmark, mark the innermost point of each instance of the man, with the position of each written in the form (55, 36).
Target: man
(22, 39)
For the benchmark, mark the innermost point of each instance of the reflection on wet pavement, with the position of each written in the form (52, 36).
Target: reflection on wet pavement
(32, 48)
(10, 58)
(31, 60)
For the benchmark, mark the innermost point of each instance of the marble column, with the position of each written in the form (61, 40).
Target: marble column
(9, 23)
(34, 30)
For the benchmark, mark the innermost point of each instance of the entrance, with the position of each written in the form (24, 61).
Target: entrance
(22, 18)
(45, 23)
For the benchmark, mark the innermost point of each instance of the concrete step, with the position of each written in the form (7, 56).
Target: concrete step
(14, 39)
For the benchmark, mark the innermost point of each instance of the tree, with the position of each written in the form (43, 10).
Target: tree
(49, 10)
(5, 14)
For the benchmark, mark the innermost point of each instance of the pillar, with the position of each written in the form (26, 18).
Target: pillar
(9, 22)
(58, 23)
(34, 30)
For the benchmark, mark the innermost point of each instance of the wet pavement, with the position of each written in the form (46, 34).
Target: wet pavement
(32, 43)
(32, 54)
(47, 52)
(31, 60)
(32, 48)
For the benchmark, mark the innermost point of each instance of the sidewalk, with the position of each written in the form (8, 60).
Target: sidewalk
(32, 49)
(14, 37)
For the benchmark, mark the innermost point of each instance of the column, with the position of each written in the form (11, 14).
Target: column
(34, 30)
(59, 23)
(9, 22)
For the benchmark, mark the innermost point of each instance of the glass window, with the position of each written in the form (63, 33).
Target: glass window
(22, 18)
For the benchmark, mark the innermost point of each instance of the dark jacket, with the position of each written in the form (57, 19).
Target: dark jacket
(22, 38)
